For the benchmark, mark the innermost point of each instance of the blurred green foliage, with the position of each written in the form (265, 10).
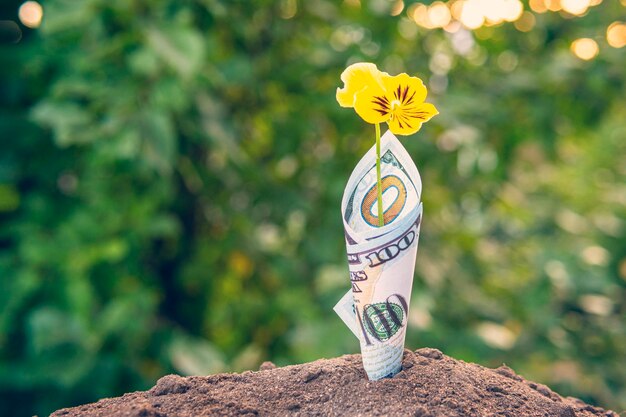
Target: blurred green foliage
(171, 174)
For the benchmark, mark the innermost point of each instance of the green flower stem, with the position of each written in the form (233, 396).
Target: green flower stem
(381, 220)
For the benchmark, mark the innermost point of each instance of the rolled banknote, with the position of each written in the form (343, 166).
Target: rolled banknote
(381, 259)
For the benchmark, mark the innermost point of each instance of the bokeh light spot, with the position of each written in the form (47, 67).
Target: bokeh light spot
(616, 34)
(456, 8)
(496, 335)
(507, 61)
(575, 7)
(439, 14)
(493, 10)
(526, 22)
(553, 5)
(496, 11)
(30, 14)
(420, 16)
(600, 305)
(585, 48)
(471, 15)
(595, 255)
(538, 6)
(397, 8)
(513, 10)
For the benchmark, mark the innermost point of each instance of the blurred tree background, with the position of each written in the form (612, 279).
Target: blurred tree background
(171, 175)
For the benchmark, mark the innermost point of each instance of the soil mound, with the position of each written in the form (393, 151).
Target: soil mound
(430, 385)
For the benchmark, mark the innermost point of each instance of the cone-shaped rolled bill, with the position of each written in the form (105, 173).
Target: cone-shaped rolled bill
(381, 259)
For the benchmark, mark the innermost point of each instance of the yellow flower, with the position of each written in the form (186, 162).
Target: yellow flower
(379, 97)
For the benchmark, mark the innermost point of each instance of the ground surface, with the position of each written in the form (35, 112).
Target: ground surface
(430, 385)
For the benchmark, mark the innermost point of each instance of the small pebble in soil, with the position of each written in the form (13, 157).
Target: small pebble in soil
(310, 376)
(567, 412)
(430, 353)
(422, 412)
(266, 366)
(508, 372)
(496, 388)
(170, 384)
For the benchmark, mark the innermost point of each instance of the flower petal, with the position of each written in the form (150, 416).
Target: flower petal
(408, 90)
(355, 78)
(407, 120)
(373, 105)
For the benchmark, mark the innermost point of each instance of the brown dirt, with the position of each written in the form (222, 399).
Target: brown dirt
(430, 385)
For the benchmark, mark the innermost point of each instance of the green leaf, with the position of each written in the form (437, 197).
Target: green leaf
(159, 140)
(70, 123)
(180, 47)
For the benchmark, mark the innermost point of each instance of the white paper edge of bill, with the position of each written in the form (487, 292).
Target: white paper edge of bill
(345, 310)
